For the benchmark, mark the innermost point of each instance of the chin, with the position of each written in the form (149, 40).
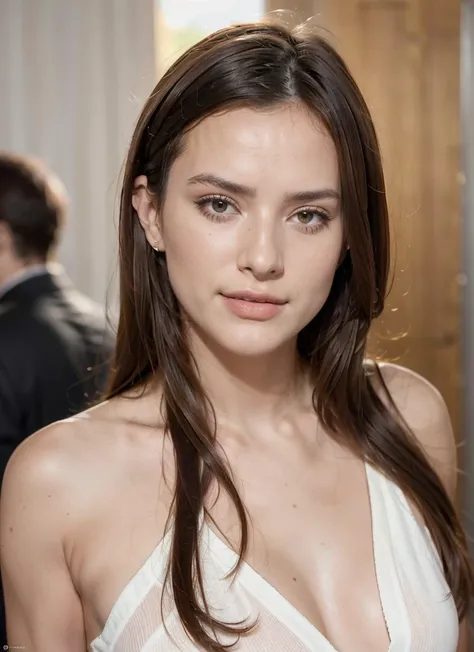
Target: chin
(252, 342)
(245, 338)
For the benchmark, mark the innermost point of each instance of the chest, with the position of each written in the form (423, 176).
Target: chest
(310, 540)
(310, 553)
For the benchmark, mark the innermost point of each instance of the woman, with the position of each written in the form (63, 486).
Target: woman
(250, 479)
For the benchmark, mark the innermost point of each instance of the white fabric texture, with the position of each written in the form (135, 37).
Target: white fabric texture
(419, 611)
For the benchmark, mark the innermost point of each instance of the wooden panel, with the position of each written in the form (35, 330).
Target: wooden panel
(405, 56)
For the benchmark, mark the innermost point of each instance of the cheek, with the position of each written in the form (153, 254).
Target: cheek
(322, 276)
(316, 274)
(196, 257)
(195, 254)
(195, 244)
(184, 268)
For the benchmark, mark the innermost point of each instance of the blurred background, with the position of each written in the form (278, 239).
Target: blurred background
(74, 74)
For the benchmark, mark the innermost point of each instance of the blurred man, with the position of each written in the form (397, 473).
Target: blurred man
(54, 344)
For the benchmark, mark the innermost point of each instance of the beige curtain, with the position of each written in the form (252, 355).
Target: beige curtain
(73, 76)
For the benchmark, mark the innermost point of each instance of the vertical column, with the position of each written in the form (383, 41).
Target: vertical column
(467, 113)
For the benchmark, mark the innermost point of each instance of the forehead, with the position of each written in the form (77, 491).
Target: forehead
(286, 147)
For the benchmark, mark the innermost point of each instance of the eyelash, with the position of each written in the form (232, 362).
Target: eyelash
(215, 217)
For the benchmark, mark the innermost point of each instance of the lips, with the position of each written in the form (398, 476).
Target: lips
(252, 300)
(255, 297)
(253, 306)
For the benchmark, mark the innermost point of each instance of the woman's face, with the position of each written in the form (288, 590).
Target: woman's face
(251, 226)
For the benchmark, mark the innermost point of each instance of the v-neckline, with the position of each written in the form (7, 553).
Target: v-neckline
(388, 584)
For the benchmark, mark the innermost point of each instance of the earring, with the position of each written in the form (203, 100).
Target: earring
(155, 245)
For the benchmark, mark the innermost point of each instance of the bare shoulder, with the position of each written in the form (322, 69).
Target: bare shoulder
(65, 466)
(426, 414)
(63, 488)
(47, 467)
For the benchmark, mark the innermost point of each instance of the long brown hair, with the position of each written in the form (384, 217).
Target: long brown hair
(263, 65)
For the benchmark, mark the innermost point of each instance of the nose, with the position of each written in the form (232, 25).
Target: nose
(261, 250)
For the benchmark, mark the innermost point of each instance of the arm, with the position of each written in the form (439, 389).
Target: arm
(43, 608)
(425, 412)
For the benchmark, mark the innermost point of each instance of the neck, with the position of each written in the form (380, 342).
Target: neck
(16, 268)
(248, 391)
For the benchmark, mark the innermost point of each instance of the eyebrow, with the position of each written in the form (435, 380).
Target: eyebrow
(225, 184)
(247, 191)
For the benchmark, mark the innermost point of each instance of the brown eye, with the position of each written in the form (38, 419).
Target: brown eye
(217, 208)
(219, 205)
(305, 217)
(310, 220)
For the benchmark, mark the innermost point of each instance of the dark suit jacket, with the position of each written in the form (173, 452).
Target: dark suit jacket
(54, 354)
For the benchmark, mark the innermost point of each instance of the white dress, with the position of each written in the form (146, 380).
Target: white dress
(419, 610)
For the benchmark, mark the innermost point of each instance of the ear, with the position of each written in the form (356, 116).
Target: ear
(144, 204)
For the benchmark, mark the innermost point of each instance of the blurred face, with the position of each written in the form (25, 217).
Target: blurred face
(251, 226)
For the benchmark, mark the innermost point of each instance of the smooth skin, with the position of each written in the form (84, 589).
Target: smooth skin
(251, 204)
